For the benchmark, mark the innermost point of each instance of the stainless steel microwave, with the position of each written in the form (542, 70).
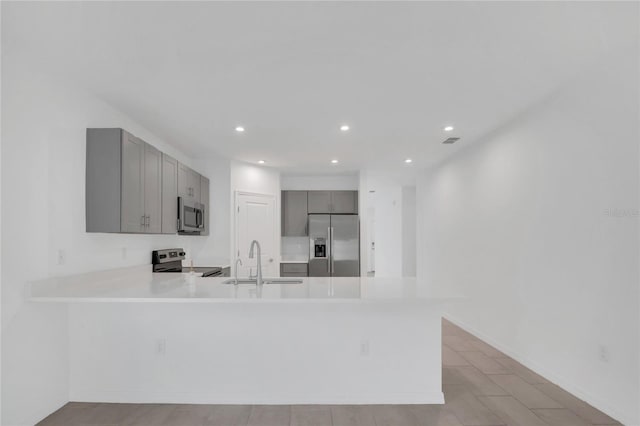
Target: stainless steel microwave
(190, 216)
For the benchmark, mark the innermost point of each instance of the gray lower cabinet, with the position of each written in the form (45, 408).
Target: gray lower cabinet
(204, 199)
(333, 202)
(169, 194)
(294, 214)
(294, 270)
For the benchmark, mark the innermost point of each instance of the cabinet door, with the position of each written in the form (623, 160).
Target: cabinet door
(184, 181)
(294, 213)
(152, 189)
(319, 202)
(169, 195)
(345, 202)
(132, 196)
(194, 184)
(204, 199)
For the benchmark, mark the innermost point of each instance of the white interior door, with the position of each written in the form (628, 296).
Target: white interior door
(256, 220)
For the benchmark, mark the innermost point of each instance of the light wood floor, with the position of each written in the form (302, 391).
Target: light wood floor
(482, 386)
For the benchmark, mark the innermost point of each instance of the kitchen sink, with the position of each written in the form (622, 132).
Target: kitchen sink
(264, 281)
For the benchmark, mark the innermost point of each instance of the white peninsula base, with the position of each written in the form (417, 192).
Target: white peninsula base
(346, 353)
(140, 337)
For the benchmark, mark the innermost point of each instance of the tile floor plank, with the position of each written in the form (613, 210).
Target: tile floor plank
(310, 415)
(480, 383)
(352, 415)
(524, 392)
(270, 415)
(394, 415)
(451, 358)
(459, 344)
(435, 415)
(229, 415)
(467, 408)
(149, 415)
(512, 411)
(516, 368)
(579, 407)
(560, 417)
(483, 363)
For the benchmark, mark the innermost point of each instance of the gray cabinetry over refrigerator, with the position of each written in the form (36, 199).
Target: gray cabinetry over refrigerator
(123, 183)
(333, 202)
(169, 195)
(294, 213)
(204, 199)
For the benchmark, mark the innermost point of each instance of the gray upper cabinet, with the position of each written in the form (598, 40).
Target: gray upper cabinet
(188, 183)
(319, 202)
(204, 199)
(345, 202)
(132, 187)
(294, 214)
(132, 215)
(333, 202)
(152, 189)
(169, 195)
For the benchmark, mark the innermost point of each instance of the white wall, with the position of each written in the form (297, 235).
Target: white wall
(43, 173)
(258, 180)
(320, 183)
(538, 226)
(409, 244)
(387, 205)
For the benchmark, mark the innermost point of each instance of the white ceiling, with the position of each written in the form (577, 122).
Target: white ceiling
(291, 73)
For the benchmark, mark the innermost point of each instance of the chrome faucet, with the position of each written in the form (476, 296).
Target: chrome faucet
(259, 261)
(238, 260)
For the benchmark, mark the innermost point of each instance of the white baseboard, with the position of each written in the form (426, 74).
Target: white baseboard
(553, 376)
(146, 397)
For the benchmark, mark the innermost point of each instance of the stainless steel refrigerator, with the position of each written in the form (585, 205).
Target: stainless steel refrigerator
(334, 245)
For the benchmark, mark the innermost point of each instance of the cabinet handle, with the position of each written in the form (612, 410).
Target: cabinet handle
(142, 220)
(148, 221)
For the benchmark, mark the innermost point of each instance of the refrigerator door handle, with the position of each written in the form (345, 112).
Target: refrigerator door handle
(329, 250)
(332, 268)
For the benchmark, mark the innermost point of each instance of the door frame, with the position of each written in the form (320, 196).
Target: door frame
(276, 221)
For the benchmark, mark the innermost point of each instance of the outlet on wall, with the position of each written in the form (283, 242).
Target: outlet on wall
(161, 346)
(603, 353)
(364, 348)
(62, 257)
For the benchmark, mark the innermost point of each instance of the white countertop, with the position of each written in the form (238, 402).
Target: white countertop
(139, 284)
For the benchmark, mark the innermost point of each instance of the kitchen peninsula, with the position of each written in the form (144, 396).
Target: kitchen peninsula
(137, 336)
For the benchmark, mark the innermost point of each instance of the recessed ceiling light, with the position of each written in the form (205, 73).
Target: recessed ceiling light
(344, 127)
(334, 161)
(240, 129)
(408, 160)
(261, 161)
(448, 128)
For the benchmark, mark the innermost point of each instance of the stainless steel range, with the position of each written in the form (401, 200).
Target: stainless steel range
(170, 260)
